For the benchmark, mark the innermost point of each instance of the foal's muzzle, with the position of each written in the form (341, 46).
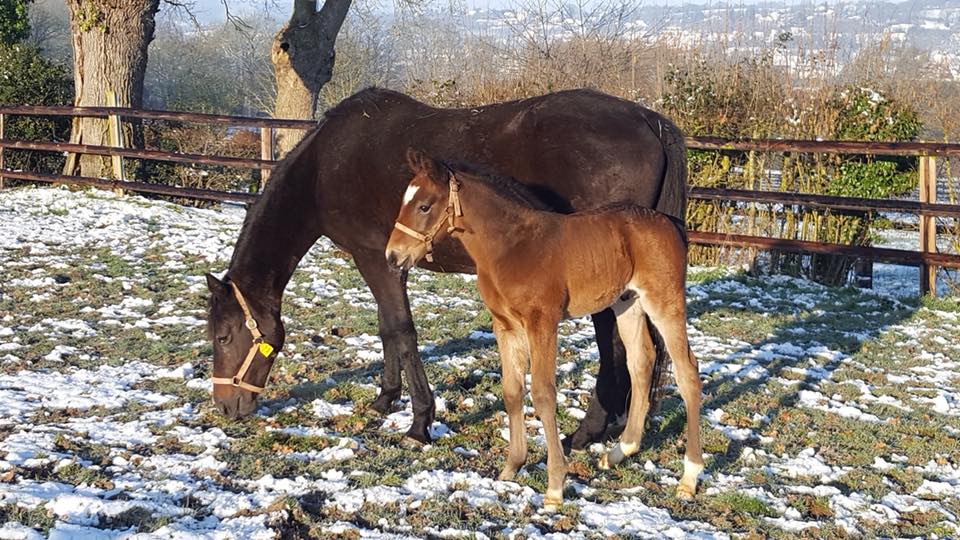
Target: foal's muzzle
(397, 259)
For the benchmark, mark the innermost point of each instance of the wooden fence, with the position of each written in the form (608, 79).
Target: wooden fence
(926, 257)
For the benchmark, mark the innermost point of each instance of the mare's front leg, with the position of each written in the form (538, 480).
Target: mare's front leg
(611, 394)
(542, 338)
(399, 337)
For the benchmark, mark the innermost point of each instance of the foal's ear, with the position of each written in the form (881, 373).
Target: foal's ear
(417, 160)
(217, 287)
(421, 163)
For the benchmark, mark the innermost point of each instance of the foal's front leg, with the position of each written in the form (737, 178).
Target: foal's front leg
(542, 337)
(514, 356)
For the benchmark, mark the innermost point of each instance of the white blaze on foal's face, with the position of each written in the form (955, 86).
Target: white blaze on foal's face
(410, 193)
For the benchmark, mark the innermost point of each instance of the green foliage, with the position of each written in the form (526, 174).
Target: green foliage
(870, 178)
(739, 100)
(865, 115)
(28, 79)
(748, 99)
(14, 21)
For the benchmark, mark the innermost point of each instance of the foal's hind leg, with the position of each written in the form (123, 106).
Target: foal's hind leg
(632, 325)
(667, 311)
(512, 344)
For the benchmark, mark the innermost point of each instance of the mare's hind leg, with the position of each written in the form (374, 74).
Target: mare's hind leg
(667, 311)
(632, 325)
(512, 344)
(399, 338)
(609, 398)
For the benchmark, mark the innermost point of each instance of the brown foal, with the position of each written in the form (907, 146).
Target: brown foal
(536, 268)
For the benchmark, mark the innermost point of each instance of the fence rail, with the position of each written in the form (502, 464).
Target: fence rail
(926, 208)
(153, 155)
(145, 114)
(826, 147)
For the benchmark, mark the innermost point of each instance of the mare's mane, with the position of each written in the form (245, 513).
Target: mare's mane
(275, 186)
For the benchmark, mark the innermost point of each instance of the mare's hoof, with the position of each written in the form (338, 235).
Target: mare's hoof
(579, 441)
(409, 443)
(383, 404)
(684, 493)
(416, 438)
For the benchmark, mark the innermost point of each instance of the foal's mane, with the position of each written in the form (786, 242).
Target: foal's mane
(507, 186)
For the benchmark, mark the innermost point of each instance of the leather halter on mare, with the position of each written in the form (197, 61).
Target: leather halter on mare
(453, 211)
(258, 345)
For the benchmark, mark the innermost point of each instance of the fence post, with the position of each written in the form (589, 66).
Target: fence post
(266, 152)
(116, 137)
(928, 224)
(2, 134)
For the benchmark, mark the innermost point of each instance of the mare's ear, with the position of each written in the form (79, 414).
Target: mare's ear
(420, 163)
(217, 288)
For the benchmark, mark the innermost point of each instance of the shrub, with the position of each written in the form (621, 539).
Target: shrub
(754, 98)
(14, 21)
(28, 79)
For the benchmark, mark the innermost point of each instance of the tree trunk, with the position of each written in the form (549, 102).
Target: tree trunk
(303, 58)
(110, 40)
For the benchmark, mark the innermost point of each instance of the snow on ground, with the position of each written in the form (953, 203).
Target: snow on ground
(826, 411)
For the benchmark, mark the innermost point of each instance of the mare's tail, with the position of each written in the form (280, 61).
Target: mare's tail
(672, 202)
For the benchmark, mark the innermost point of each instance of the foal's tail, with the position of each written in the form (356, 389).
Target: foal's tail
(672, 202)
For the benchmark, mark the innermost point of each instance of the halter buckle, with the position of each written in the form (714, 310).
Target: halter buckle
(251, 324)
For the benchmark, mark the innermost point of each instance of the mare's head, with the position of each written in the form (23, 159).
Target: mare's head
(246, 338)
(425, 212)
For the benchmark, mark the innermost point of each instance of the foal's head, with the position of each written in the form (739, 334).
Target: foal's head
(245, 341)
(425, 214)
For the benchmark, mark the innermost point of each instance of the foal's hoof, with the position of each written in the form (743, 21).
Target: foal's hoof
(552, 504)
(685, 493)
(615, 456)
(507, 474)
(383, 404)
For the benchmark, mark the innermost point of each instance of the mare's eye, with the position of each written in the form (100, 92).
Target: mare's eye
(424, 208)
(223, 339)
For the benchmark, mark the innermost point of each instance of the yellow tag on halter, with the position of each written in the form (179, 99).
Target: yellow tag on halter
(266, 349)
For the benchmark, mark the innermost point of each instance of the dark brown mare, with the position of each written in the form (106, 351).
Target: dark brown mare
(536, 268)
(578, 149)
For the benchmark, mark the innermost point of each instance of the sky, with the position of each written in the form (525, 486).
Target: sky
(210, 10)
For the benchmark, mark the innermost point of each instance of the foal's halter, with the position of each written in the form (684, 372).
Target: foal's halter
(453, 211)
(258, 345)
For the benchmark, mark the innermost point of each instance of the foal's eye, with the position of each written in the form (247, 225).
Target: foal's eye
(424, 208)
